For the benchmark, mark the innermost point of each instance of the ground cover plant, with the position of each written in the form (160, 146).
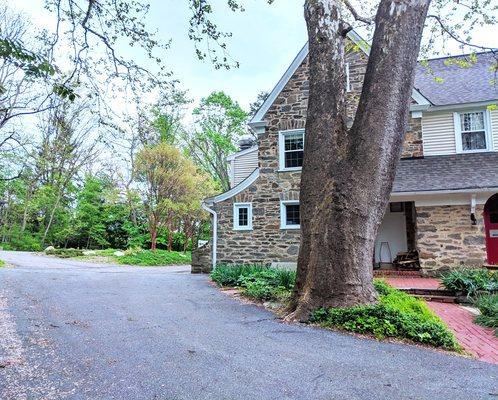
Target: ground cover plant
(488, 306)
(2, 263)
(257, 281)
(137, 257)
(396, 315)
(470, 281)
(154, 258)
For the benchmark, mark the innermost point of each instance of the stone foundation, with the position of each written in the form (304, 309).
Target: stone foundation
(447, 239)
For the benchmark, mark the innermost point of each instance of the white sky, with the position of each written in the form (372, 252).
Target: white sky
(265, 40)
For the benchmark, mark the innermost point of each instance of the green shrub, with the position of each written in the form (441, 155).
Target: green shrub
(396, 315)
(65, 253)
(258, 282)
(470, 281)
(228, 275)
(488, 306)
(151, 258)
(2, 263)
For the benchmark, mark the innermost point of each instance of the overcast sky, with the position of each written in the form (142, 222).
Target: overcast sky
(265, 40)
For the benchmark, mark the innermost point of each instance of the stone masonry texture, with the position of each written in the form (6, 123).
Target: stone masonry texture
(267, 243)
(446, 238)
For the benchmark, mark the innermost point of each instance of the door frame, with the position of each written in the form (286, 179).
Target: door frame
(491, 242)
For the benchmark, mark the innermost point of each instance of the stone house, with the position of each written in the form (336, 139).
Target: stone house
(444, 202)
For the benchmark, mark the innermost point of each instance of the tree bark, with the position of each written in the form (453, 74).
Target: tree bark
(347, 174)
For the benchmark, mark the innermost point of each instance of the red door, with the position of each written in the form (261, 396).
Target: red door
(491, 225)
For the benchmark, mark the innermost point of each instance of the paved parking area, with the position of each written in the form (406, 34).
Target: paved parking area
(74, 330)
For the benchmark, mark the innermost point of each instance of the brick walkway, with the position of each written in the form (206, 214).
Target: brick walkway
(413, 283)
(475, 339)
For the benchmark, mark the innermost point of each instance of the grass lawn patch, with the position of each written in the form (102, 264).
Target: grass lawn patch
(396, 315)
(154, 258)
(2, 263)
(488, 306)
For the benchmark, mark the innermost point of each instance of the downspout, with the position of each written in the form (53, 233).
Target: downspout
(215, 232)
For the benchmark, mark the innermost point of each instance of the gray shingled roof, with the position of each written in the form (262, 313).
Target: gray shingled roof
(452, 172)
(460, 85)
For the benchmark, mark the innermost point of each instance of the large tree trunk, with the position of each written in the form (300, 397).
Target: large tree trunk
(347, 174)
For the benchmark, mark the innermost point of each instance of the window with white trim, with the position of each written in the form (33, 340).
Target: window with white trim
(291, 149)
(242, 216)
(472, 130)
(289, 214)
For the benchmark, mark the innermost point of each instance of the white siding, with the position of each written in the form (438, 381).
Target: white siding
(494, 127)
(438, 133)
(244, 165)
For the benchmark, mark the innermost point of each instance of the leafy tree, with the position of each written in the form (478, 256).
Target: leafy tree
(220, 122)
(255, 106)
(90, 215)
(169, 181)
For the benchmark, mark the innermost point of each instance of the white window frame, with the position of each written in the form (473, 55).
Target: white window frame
(458, 131)
(348, 81)
(283, 214)
(236, 207)
(281, 148)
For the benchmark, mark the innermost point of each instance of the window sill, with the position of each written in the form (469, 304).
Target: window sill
(242, 229)
(290, 227)
(475, 151)
(289, 169)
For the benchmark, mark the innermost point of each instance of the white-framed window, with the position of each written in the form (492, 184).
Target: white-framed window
(472, 130)
(242, 216)
(289, 214)
(291, 149)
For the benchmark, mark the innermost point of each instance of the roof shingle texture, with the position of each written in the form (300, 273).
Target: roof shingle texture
(459, 84)
(451, 172)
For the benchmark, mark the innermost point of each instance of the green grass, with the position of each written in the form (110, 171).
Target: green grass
(488, 306)
(154, 258)
(396, 315)
(2, 263)
(132, 256)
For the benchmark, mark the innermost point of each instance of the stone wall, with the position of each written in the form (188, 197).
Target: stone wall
(446, 238)
(202, 259)
(267, 243)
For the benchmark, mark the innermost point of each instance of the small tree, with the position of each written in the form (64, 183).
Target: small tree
(170, 180)
(220, 122)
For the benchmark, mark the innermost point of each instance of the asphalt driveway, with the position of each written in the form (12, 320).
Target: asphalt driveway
(86, 331)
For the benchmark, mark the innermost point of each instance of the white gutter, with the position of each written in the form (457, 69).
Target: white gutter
(215, 232)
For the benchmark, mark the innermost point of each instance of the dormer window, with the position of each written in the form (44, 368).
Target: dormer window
(291, 149)
(472, 131)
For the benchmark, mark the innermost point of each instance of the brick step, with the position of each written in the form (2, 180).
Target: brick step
(439, 299)
(428, 292)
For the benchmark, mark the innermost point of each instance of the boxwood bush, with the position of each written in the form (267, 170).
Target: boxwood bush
(397, 315)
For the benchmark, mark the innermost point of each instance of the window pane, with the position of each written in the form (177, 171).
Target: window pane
(243, 216)
(472, 121)
(493, 218)
(473, 140)
(294, 142)
(293, 159)
(292, 214)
